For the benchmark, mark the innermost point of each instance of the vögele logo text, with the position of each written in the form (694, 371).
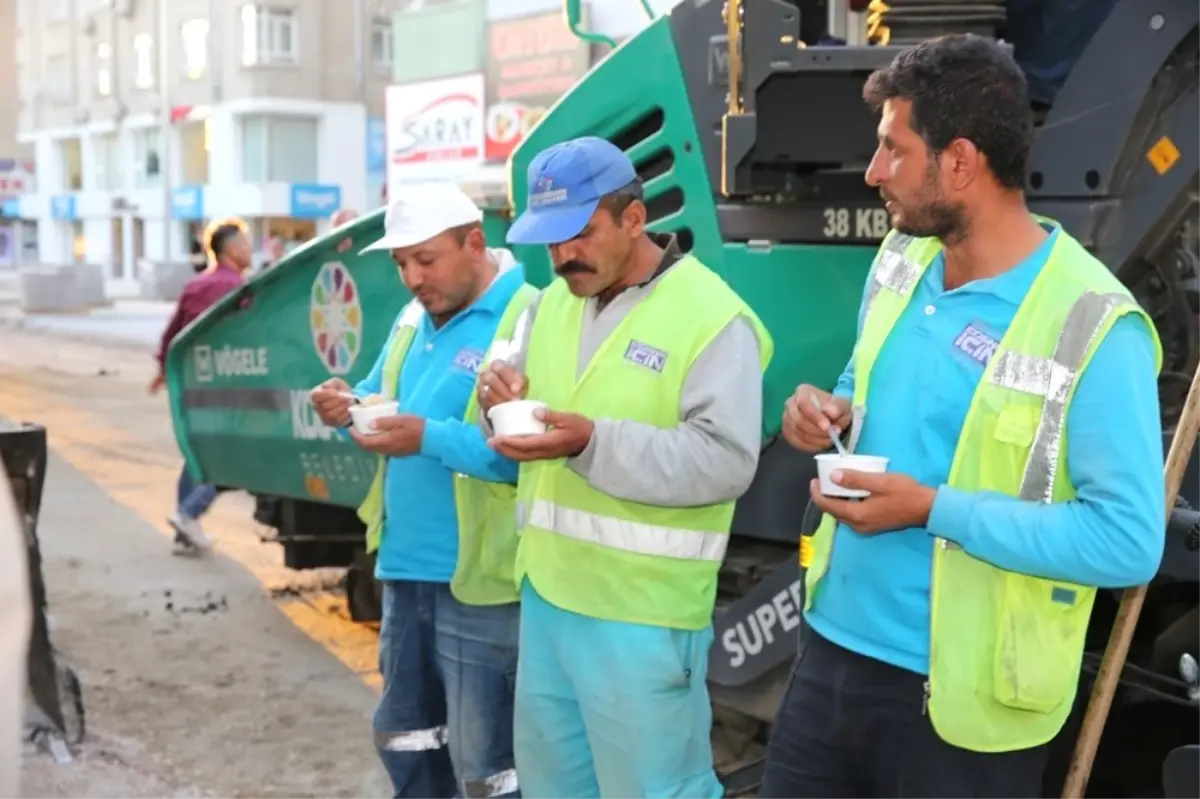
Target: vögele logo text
(241, 361)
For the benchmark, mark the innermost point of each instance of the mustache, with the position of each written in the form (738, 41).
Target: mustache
(574, 268)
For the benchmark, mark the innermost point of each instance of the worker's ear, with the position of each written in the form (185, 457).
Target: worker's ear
(475, 241)
(634, 218)
(961, 163)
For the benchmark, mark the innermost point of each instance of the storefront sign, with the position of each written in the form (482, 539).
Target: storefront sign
(187, 202)
(314, 200)
(16, 177)
(62, 206)
(531, 62)
(434, 129)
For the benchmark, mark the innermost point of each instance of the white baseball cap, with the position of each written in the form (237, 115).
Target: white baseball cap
(418, 213)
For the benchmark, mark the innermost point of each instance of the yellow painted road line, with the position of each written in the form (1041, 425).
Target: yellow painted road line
(134, 473)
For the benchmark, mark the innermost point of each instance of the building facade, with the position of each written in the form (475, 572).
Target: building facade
(16, 160)
(266, 108)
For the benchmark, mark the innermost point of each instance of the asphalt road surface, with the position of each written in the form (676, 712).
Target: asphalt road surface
(223, 676)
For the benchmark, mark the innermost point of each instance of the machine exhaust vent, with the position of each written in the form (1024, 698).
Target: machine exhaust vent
(654, 158)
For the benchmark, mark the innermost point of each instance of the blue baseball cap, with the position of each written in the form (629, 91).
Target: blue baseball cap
(566, 182)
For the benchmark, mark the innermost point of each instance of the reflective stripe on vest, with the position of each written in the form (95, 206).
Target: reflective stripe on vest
(628, 536)
(892, 270)
(896, 273)
(1053, 380)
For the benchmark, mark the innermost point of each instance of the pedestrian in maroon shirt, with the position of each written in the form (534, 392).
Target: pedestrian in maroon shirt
(233, 253)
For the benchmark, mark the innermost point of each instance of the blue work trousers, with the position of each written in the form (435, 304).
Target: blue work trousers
(611, 709)
(444, 723)
(192, 500)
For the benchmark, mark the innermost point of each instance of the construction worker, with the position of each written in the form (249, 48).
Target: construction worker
(440, 513)
(1012, 385)
(651, 368)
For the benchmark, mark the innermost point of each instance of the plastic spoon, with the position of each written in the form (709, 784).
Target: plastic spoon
(833, 436)
(859, 415)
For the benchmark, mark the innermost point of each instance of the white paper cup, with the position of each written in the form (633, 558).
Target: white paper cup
(828, 462)
(516, 418)
(363, 415)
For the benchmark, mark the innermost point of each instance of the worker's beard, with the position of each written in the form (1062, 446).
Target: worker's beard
(444, 305)
(930, 214)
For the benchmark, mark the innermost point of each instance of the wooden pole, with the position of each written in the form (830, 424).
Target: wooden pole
(1127, 614)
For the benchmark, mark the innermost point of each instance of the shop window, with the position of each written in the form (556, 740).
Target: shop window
(279, 149)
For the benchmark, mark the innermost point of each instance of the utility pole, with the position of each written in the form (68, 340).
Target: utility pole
(164, 118)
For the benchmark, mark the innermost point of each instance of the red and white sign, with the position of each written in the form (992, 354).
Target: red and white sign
(531, 62)
(434, 129)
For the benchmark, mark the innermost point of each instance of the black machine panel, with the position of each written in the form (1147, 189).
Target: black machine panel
(804, 139)
(802, 146)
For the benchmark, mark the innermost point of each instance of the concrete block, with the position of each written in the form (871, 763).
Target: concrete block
(49, 289)
(89, 282)
(163, 281)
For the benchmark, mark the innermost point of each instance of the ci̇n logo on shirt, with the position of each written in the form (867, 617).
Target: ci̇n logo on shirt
(976, 344)
(645, 355)
(468, 359)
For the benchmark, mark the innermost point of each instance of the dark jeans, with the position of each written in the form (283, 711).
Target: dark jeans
(444, 726)
(192, 500)
(852, 726)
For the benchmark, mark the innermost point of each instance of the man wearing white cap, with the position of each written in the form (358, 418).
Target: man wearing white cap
(440, 514)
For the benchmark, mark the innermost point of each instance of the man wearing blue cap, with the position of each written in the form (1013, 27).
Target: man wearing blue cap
(650, 368)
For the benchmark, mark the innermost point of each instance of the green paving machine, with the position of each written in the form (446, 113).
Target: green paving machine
(745, 122)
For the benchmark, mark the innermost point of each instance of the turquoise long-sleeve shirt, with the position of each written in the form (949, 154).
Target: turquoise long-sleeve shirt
(420, 540)
(875, 595)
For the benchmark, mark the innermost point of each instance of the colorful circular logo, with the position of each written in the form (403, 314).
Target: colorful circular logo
(336, 318)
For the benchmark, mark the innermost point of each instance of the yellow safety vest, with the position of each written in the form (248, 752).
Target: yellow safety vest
(487, 527)
(592, 553)
(1005, 649)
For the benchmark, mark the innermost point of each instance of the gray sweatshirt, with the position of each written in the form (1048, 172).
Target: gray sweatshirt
(711, 456)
